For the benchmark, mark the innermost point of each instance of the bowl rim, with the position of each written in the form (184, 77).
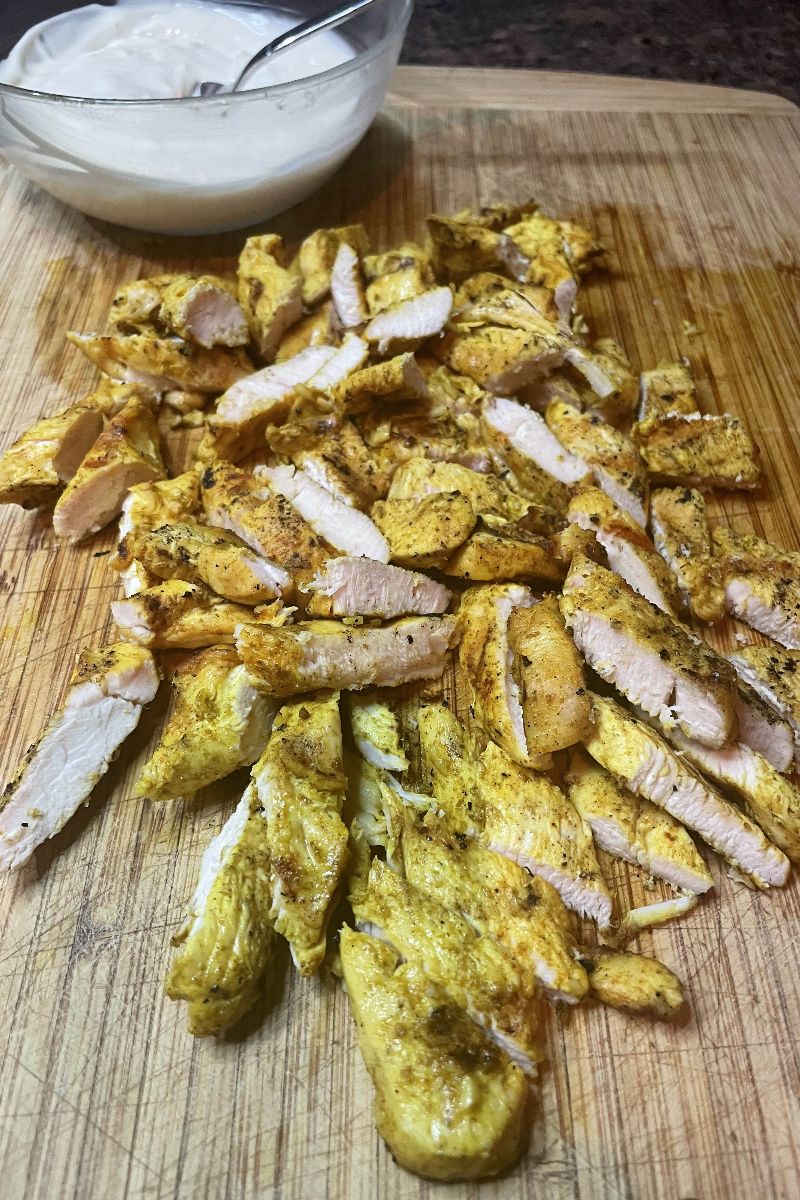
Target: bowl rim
(226, 99)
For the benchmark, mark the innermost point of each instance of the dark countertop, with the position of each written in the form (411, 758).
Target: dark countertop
(737, 43)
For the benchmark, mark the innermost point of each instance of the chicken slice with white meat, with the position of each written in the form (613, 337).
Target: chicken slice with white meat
(609, 455)
(762, 584)
(147, 506)
(411, 321)
(204, 309)
(699, 450)
(347, 288)
(607, 370)
(376, 733)
(500, 359)
(319, 328)
(269, 295)
(317, 256)
(389, 382)
(175, 615)
(668, 387)
(774, 674)
(460, 248)
(34, 468)
(338, 523)
(161, 363)
(396, 275)
(102, 707)
(529, 435)
(349, 357)
(332, 451)
(450, 760)
(654, 661)
(682, 537)
(541, 241)
(761, 727)
(634, 983)
(352, 587)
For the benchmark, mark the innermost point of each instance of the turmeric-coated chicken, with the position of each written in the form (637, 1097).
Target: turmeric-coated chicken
(607, 370)
(204, 309)
(317, 256)
(612, 457)
(175, 615)
(161, 363)
(460, 248)
(499, 550)
(699, 450)
(682, 537)
(667, 387)
(761, 583)
(633, 982)
(395, 276)
(425, 532)
(269, 295)
(389, 382)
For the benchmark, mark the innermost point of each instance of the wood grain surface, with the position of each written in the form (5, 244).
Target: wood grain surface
(103, 1094)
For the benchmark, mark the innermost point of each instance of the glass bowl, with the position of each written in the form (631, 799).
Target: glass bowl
(206, 165)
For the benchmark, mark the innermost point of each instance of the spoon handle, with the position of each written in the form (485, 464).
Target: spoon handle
(329, 20)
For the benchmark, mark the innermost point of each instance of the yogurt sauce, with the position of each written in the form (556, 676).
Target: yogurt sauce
(140, 50)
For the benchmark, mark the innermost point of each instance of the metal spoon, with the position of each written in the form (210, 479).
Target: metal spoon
(330, 20)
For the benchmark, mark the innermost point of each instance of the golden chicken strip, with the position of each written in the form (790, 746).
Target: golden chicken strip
(317, 256)
(668, 387)
(223, 946)
(301, 786)
(419, 477)
(499, 550)
(426, 532)
(761, 728)
(643, 762)
(338, 523)
(34, 468)
(634, 983)
(654, 661)
(204, 309)
(500, 359)
(607, 370)
(489, 299)
(175, 615)
(269, 295)
(683, 539)
(393, 381)
(347, 288)
(102, 707)
(634, 829)
(762, 584)
(461, 248)
(449, 1103)
(476, 972)
(529, 820)
(396, 276)
(450, 760)
(313, 654)
(218, 724)
(410, 322)
(556, 709)
(610, 456)
(500, 900)
(135, 305)
(647, 916)
(332, 451)
(319, 328)
(529, 435)
(699, 450)
(352, 587)
(379, 806)
(147, 506)
(161, 363)
(127, 452)
(773, 673)
(628, 548)
(541, 241)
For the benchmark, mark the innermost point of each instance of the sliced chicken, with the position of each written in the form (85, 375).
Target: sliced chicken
(651, 659)
(500, 900)
(301, 786)
(223, 946)
(351, 587)
(774, 674)
(643, 762)
(533, 823)
(338, 523)
(556, 709)
(178, 616)
(218, 723)
(632, 828)
(380, 806)
(496, 216)
(453, 394)
(347, 288)
(349, 357)
(476, 972)
(333, 452)
(762, 584)
(503, 360)
(459, 249)
(683, 538)
(699, 450)
(450, 760)
(127, 452)
(319, 328)
(425, 533)
(520, 471)
(396, 276)
(282, 662)
(541, 241)
(204, 309)
(607, 370)
(376, 733)
(147, 506)
(628, 548)
(391, 382)
(269, 295)
(499, 550)
(666, 388)
(317, 256)
(412, 320)
(102, 707)
(647, 916)
(34, 468)
(136, 304)
(760, 726)
(488, 664)
(420, 477)
(529, 435)
(609, 455)
(489, 299)
(449, 1103)
(634, 983)
(161, 363)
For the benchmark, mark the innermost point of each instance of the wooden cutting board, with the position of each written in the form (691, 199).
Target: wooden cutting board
(102, 1092)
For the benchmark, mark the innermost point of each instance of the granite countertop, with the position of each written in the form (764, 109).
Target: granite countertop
(737, 43)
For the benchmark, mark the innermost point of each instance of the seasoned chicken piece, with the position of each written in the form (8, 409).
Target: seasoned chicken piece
(530, 820)
(218, 723)
(449, 1102)
(683, 539)
(376, 733)
(317, 257)
(500, 359)
(699, 450)
(147, 506)
(628, 548)
(632, 828)
(269, 295)
(266, 521)
(396, 380)
(283, 662)
(582, 249)
(529, 435)
(125, 453)
(556, 709)
(178, 616)
(301, 785)
(461, 248)
(351, 587)
(651, 659)
(454, 394)
(350, 356)
(633, 983)
(499, 550)
(496, 216)
(420, 477)
(102, 707)
(319, 328)
(541, 241)
(761, 728)
(332, 451)
(396, 276)
(34, 468)
(347, 288)
(204, 309)
(488, 664)
(136, 304)
(762, 584)
(450, 759)
(489, 299)
(523, 474)
(499, 899)
(646, 916)
(338, 523)
(609, 455)
(607, 370)
(643, 761)
(224, 944)
(377, 808)
(425, 533)
(774, 674)
(410, 321)
(161, 363)
(476, 972)
(666, 388)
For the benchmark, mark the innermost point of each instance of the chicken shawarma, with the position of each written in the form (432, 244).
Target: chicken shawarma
(682, 536)
(774, 674)
(698, 450)
(609, 455)
(761, 583)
